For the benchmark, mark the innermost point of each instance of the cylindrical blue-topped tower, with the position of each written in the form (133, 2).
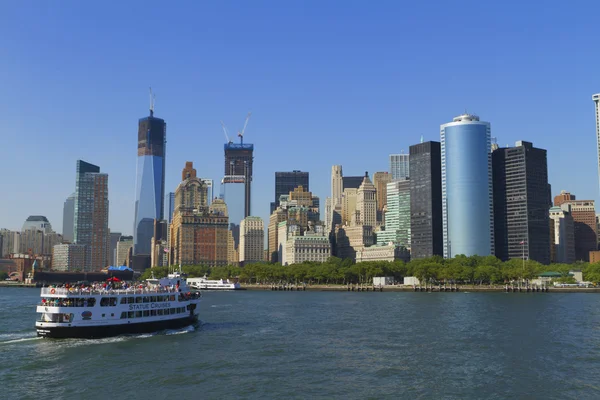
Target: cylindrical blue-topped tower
(467, 196)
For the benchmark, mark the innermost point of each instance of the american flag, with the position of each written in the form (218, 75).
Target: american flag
(523, 242)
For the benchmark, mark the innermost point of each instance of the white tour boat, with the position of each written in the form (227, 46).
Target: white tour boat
(95, 311)
(206, 284)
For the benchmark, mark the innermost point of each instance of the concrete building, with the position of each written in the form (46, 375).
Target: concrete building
(351, 239)
(70, 257)
(50, 240)
(521, 201)
(123, 249)
(562, 236)
(397, 217)
(467, 194)
(279, 215)
(68, 218)
(349, 198)
(594, 257)
(337, 184)
(198, 232)
(399, 166)
(160, 245)
(366, 203)
(11, 241)
(91, 214)
(150, 181)
(170, 207)
(114, 239)
(380, 180)
(426, 237)
(286, 182)
(310, 247)
(389, 252)
(32, 241)
(252, 240)
(37, 222)
(563, 197)
(584, 218)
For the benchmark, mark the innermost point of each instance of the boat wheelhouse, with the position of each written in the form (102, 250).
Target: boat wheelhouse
(98, 311)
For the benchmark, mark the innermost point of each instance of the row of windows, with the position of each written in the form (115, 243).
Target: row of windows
(112, 301)
(152, 313)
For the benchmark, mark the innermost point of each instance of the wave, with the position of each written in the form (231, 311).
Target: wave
(23, 339)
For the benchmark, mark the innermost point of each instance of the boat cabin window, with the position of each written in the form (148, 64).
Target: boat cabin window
(124, 315)
(131, 314)
(146, 299)
(147, 313)
(130, 300)
(160, 312)
(138, 299)
(108, 301)
(123, 300)
(138, 314)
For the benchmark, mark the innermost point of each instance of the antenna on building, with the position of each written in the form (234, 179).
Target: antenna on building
(421, 138)
(152, 99)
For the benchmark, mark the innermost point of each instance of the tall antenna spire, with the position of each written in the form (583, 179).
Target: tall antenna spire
(421, 138)
(152, 98)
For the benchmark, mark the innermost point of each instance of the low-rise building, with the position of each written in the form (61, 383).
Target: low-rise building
(312, 246)
(390, 252)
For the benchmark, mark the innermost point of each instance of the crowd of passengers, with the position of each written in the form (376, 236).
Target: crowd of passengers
(108, 286)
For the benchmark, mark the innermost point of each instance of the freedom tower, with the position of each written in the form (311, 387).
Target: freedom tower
(150, 179)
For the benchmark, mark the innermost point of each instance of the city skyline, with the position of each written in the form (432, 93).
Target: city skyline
(498, 94)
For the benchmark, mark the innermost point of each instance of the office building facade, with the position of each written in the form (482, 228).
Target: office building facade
(426, 200)
(397, 226)
(366, 202)
(150, 180)
(286, 182)
(70, 257)
(239, 160)
(399, 166)
(584, 220)
(91, 214)
(596, 99)
(562, 236)
(252, 240)
(380, 180)
(467, 194)
(68, 218)
(521, 203)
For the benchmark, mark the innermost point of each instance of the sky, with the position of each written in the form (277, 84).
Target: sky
(335, 82)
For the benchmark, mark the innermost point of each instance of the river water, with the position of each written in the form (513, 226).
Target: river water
(321, 345)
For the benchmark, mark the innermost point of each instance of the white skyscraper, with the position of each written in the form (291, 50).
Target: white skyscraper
(596, 99)
(399, 166)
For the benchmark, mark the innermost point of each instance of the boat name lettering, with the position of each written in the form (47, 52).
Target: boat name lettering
(133, 307)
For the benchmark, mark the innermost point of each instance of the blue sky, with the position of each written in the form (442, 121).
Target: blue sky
(328, 83)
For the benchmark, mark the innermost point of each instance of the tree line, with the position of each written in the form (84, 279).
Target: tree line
(474, 270)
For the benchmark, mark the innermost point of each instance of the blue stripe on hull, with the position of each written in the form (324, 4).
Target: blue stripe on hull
(94, 332)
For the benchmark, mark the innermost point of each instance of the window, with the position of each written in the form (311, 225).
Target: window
(173, 311)
(152, 313)
(130, 300)
(138, 299)
(131, 314)
(138, 314)
(161, 312)
(123, 315)
(147, 313)
(153, 299)
(146, 299)
(123, 300)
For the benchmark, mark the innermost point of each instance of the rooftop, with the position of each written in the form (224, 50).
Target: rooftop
(37, 218)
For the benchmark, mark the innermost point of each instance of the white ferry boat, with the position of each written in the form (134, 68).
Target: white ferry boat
(95, 311)
(206, 284)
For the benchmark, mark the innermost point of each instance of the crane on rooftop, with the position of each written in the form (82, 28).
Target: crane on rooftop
(226, 133)
(241, 134)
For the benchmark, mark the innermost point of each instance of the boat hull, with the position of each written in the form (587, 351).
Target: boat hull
(95, 332)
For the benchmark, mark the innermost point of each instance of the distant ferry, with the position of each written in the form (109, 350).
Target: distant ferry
(206, 284)
(95, 311)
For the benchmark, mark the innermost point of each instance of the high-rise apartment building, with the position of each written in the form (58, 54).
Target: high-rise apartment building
(562, 236)
(380, 180)
(68, 218)
(397, 217)
(150, 180)
(69, 257)
(239, 161)
(199, 232)
(596, 99)
(521, 203)
(366, 202)
(584, 218)
(123, 250)
(210, 194)
(349, 197)
(467, 204)
(91, 214)
(286, 182)
(399, 166)
(252, 240)
(114, 239)
(426, 237)
(563, 197)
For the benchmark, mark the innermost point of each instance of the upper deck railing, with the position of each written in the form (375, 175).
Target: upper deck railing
(110, 292)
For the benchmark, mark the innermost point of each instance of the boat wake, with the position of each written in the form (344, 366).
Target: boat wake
(19, 340)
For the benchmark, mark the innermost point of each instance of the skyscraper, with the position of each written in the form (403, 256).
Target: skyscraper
(397, 217)
(380, 180)
(238, 162)
(286, 182)
(366, 202)
(521, 203)
(91, 214)
(170, 206)
(425, 200)
(209, 189)
(337, 184)
(150, 180)
(596, 99)
(562, 236)
(399, 166)
(467, 206)
(68, 218)
(584, 218)
(114, 239)
(252, 240)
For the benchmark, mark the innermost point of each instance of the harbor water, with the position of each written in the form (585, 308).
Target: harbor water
(255, 345)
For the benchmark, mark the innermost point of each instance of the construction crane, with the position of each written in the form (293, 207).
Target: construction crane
(241, 134)
(226, 133)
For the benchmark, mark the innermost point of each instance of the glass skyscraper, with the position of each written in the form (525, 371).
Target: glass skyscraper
(467, 213)
(397, 216)
(286, 182)
(150, 181)
(399, 166)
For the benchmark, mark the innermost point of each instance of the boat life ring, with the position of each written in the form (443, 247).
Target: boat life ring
(67, 317)
(52, 291)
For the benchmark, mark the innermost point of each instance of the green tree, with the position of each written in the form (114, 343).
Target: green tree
(3, 275)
